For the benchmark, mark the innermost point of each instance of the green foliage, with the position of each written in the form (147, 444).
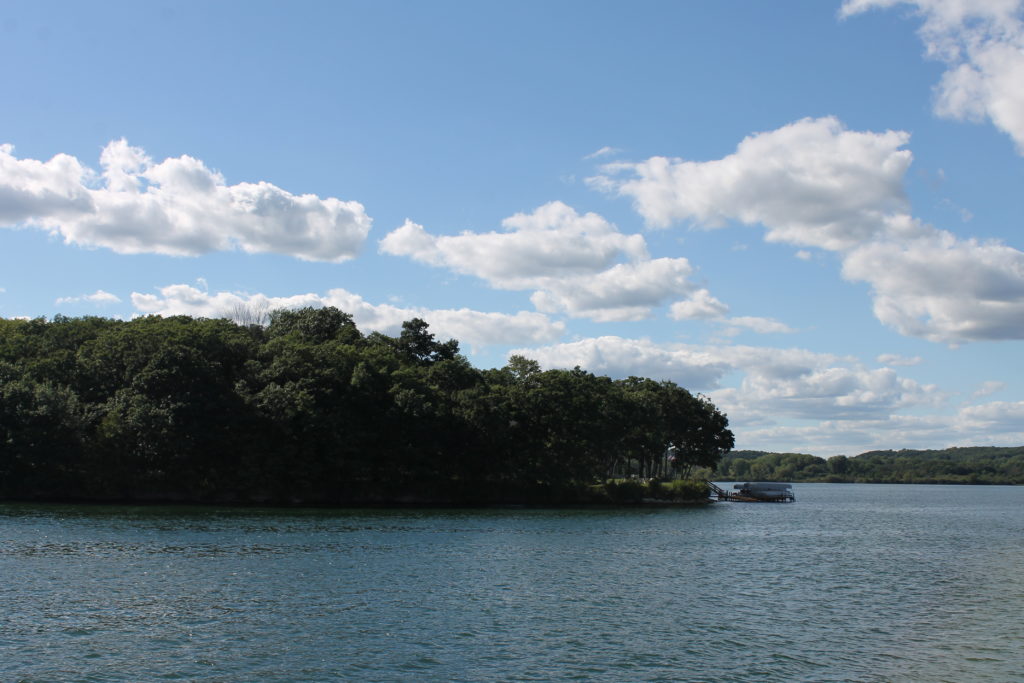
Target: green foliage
(316, 325)
(627, 490)
(982, 465)
(632, 491)
(686, 490)
(310, 410)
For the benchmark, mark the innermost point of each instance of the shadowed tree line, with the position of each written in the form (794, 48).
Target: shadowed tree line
(975, 465)
(307, 409)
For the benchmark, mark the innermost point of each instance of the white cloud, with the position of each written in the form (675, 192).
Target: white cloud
(627, 291)
(177, 207)
(994, 424)
(776, 385)
(619, 357)
(982, 45)
(815, 184)
(474, 328)
(997, 417)
(98, 297)
(699, 306)
(572, 262)
(187, 300)
(30, 188)
(702, 306)
(553, 241)
(896, 360)
(811, 183)
(988, 388)
(824, 393)
(944, 289)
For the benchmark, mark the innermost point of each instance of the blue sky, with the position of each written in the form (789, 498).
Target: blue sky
(808, 211)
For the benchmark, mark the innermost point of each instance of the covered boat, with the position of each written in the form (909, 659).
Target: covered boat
(763, 491)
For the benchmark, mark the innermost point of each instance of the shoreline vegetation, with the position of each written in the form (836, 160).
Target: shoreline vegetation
(298, 407)
(970, 465)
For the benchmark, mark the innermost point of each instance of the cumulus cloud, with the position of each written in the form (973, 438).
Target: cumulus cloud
(982, 45)
(187, 300)
(579, 265)
(98, 297)
(997, 417)
(795, 399)
(619, 357)
(811, 183)
(177, 206)
(699, 306)
(944, 289)
(553, 241)
(474, 328)
(31, 188)
(815, 184)
(776, 384)
(627, 291)
(702, 306)
(824, 393)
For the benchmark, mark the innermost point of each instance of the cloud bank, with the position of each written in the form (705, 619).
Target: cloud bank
(475, 328)
(799, 400)
(815, 184)
(178, 207)
(777, 383)
(578, 265)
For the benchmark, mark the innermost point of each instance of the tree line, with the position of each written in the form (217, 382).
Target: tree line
(974, 465)
(308, 409)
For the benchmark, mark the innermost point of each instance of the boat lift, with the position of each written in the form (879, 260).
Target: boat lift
(754, 492)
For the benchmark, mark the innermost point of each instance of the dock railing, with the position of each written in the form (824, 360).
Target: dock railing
(718, 491)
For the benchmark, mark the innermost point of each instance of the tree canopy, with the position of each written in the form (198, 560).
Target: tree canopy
(974, 465)
(308, 409)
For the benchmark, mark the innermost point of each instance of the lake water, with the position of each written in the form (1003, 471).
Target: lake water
(850, 583)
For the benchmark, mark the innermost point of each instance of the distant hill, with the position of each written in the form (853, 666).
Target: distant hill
(970, 465)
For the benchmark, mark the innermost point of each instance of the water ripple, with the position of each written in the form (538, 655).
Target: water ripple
(852, 583)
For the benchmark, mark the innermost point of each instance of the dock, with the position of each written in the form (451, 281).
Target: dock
(754, 492)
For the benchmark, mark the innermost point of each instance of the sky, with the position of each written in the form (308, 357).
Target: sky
(808, 211)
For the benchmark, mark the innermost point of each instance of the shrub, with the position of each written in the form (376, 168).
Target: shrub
(626, 490)
(686, 489)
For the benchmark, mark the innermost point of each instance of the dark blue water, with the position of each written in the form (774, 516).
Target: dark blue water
(850, 583)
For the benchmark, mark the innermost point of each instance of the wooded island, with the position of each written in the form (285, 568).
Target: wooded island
(308, 410)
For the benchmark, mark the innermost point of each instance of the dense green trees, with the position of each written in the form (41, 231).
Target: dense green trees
(308, 409)
(980, 465)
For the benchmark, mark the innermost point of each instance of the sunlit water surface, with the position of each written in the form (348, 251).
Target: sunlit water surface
(850, 583)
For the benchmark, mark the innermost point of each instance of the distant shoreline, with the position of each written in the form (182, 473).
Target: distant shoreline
(980, 465)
